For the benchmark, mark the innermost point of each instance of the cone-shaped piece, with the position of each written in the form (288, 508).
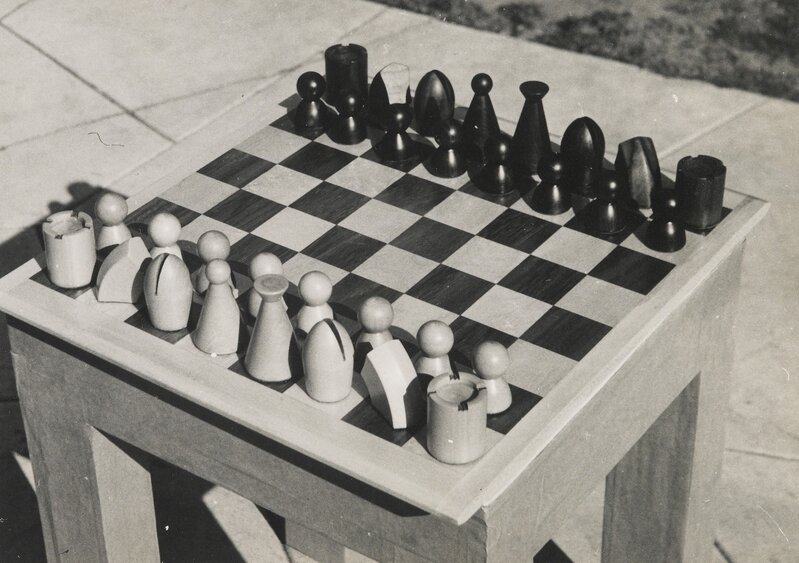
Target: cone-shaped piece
(167, 292)
(605, 215)
(327, 359)
(531, 139)
(448, 160)
(582, 149)
(311, 114)
(664, 232)
(349, 126)
(218, 326)
(396, 145)
(433, 102)
(480, 122)
(638, 167)
(273, 351)
(496, 177)
(550, 197)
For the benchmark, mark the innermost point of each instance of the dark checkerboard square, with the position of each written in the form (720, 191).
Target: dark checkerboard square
(632, 220)
(318, 160)
(566, 333)
(542, 279)
(431, 239)
(469, 333)
(244, 210)
(352, 290)
(236, 168)
(42, 278)
(155, 206)
(450, 289)
(141, 320)
(286, 123)
(279, 386)
(330, 202)
(245, 249)
(519, 230)
(343, 248)
(523, 402)
(504, 199)
(632, 270)
(414, 194)
(422, 152)
(366, 417)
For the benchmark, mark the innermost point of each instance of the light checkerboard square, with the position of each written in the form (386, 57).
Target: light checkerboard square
(395, 268)
(336, 410)
(293, 229)
(636, 242)
(203, 224)
(574, 250)
(485, 259)
(380, 220)
(120, 311)
(601, 301)
(199, 192)
(282, 185)
(535, 368)
(411, 313)
(299, 264)
(506, 310)
(224, 360)
(562, 219)
(365, 177)
(453, 183)
(273, 144)
(465, 212)
(355, 150)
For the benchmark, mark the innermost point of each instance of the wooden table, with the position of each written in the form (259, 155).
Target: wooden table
(644, 410)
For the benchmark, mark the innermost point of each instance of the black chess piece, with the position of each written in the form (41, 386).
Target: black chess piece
(496, 177)
(448, 160)
(531, 138)
(637, 164)
(346, 71)
(311, 114)
(433, 102)
(664, 232)
(700, 191)
(550, 197)
(396, 145)
(605, 214)
(349, 126)
(389, 86)
(582, 151)
(480, 122)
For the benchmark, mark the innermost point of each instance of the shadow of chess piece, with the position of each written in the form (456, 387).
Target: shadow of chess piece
(496, 177)
(550, 197)
(396, 145)
(311, 114)
(605, 214)
(664, 232)
(349, 126)
(448, 160)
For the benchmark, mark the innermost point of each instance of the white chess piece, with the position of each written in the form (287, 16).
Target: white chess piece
(111, 209)
(271, 352)
(375, 315)
(327, 359)
(164, 229)
(262, 264)
(490, 361)
(435, 339)
(212, 245)
(167, 291)
(218, 326)
(315, 289)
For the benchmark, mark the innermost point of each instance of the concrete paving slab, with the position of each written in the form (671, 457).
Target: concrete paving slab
(8, 6)
(37, 96)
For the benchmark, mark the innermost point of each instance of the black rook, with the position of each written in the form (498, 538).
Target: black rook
(346, 71)
(700, 191)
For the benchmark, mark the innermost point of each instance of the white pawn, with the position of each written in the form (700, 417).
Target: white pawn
(164, 229)
(375, 315)
(490, 361)
(262, 264)
(218, 326)
(111, 209)
(315, 289)
(435, 340)
(212, 245)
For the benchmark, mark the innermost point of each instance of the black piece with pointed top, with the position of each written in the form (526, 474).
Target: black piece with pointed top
(379, 100)
(311, 114)
(433, 102)
(396, 145)
(480, 122)
(349, 126)
(700, 191)
(448, 160)
(637, 164)
(664, 232)
(582, 150)
(346, 69)
(531, 138)
(605, 214)
(496, 177)
(550, 197)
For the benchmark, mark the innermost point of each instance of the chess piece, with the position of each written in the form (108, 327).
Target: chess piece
(456, 418)
(346, 71)
(664, 232)
(212, 245)
(396, 145)
(490, 361)
(531, 138)
(605, 214)
(121, 275)
(582, 151)
(164, 230)
(262, 264)
(111, 209)
(433, 102)
(496, 177)
(218, 326)
(435, 340)
(390, 86)
(700, 191)
(311, 114)
(448, 160)
(480, 122)
(637, 165)
(69, 248)
(327, 360)
(349, 126)
(393, 387)
(549, 197)
(273, 350)
(167, 292)
(315, 289)
(375, 316)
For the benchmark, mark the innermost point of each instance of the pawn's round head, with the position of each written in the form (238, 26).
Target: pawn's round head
(490, 360)
(610, 185)
(310, 85)
(435, 339)
(265, 263)
(550, 167)
(448, 133)
(664, 202)
(376, 314)
(213, 245)
(217, 271)
(399, 118)
(111, 209)
(497, 149)
(164, 229)
(482, 83)
(315, 288)
(349, 103)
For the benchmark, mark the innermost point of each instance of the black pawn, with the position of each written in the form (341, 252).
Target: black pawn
(433, 102)
(396, 145)
(531, 139)
(605, 214)
(480, 123)
(448, 160)
(496, 177)
(637, 163)
(311, 113)
(582, 151)
(664, 232)
(349, 126)
(549, 197)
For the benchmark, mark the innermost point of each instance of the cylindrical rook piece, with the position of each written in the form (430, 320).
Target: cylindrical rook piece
(700, 191)
(346, 71)
(69, 248)
(456, 418)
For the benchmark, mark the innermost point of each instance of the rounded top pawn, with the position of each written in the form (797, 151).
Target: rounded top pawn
(164, 229)
(497, 149)
(315, 288)
(217, 271)
(482, 84)
(448, 133)
(213, 245)
(490, 360)
(348, 104)
(376, 314)
(111, 209)
(550, 167)
(399, 118)
(664, 203)
(610, 185)
(435, 339)
(311, 85)
(265, 263)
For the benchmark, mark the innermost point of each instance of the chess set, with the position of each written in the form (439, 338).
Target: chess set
(342, 258)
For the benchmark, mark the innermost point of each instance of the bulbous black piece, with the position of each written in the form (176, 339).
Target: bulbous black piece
(550, 197)
(582, 149)
(311, 114)
(496, 177)
(396, 145)
(665, 232)
(433, 102)
(448, 160)
(349, 126)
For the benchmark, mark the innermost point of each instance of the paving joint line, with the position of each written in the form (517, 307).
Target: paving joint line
(61, 129)
(768, 455)
(723, 552)
(16, 9)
